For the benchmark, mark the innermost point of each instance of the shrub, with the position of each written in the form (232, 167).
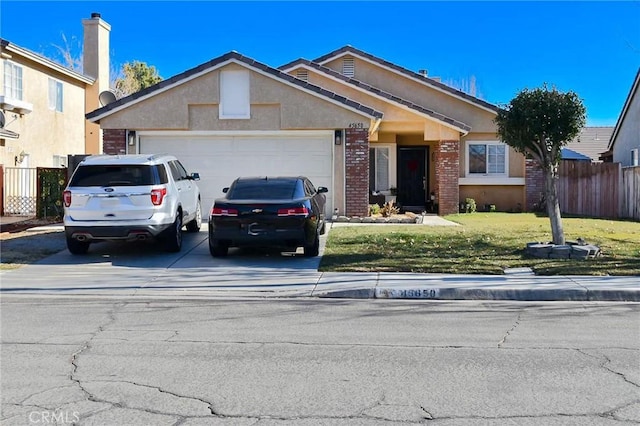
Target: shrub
(389, 209)
(374, 209)
(470, 205)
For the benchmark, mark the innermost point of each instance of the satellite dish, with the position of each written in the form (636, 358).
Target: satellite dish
(106, 97)
(2, 120)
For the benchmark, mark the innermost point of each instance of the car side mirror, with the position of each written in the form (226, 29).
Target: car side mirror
(225, 190)
(322, 189)
(195, 176)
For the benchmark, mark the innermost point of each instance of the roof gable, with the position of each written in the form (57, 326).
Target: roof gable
(374, 91)
(430, 82)
(591, 141)
(216, 63)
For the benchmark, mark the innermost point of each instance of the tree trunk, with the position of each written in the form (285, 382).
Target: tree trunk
(553, 206)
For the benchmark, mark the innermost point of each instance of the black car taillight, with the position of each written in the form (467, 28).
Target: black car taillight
(219, 211)
(293, 211)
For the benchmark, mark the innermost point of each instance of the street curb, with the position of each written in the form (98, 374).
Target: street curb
(525, 295)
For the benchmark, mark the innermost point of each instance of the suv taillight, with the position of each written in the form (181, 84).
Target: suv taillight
(293, 211)
(157, 195)
(66, 198)
(218, 211)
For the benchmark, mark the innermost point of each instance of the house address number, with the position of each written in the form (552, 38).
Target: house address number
(356, 125)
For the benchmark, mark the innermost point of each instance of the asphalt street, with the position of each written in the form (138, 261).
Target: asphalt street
(123, 361)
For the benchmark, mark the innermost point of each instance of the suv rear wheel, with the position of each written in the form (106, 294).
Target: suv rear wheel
(196, 223)
(77, 247)
(173, 236)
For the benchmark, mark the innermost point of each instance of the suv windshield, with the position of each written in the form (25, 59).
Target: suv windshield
(262, 190)
(120, 175)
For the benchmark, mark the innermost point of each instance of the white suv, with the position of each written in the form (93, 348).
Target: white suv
(130, 197)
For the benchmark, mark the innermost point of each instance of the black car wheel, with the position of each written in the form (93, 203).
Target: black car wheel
(313, 249)
(218, 249)
(173, 238)
(196, 223)
(77, 247)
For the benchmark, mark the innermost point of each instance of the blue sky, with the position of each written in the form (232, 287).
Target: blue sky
(591, 48)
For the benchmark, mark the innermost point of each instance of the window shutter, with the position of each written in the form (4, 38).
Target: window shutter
(235, 94)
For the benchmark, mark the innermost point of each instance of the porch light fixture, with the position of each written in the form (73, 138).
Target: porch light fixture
(338, 137)
(20, 158)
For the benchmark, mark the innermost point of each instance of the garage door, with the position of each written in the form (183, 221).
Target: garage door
(221, 158)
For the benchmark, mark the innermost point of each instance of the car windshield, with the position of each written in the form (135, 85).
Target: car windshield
(264, 189)
(120, 175)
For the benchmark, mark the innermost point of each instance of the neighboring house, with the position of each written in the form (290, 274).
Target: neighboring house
(350, 121)
(589, 144)
(44, 104)
(624, 146)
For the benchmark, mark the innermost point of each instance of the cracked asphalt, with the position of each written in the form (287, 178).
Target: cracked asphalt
(114, 361)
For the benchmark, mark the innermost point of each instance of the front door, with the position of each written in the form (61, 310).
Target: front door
(412, 177)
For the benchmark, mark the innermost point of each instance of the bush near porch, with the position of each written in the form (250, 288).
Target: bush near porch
(486, 243)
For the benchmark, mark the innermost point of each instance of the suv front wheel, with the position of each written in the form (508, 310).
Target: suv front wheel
(173, 235)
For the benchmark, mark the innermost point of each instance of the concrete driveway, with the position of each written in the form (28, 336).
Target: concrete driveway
(141, 269)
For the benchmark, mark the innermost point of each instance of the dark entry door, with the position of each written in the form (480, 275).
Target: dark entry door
(412, 177)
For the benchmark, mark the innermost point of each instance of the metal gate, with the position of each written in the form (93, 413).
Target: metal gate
(20, 191)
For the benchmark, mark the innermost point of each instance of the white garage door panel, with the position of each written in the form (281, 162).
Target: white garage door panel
(221, 159)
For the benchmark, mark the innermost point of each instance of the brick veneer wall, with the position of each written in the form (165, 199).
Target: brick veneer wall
(447, 176)
(534, 183)
(114, 141)
(356, 152)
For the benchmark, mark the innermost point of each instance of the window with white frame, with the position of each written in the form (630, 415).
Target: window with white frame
(234, 94)
(55, 95)
(487, 158)
(348, 67)
(379, 159)
(12, 80)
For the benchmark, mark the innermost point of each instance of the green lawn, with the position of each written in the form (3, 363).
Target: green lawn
(486, 243)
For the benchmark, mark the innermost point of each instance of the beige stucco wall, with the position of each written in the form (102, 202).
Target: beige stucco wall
(479, 119)
(628, 136)
(193, 105)
(44, 132)
(505, 198)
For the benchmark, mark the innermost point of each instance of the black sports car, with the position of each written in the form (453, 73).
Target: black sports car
(283, 212)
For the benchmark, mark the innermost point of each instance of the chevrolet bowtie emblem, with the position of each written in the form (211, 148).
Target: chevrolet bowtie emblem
(257, 210)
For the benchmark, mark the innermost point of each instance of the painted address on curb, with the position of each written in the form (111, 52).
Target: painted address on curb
(407, 293)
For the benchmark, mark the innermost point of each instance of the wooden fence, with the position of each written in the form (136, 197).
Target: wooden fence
(631, 193)
(599, 190)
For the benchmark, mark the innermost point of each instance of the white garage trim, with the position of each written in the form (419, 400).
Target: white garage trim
(222, 156)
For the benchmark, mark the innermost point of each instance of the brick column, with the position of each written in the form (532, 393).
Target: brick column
(356, 152)
(114, 141)
(447, 175)
(534, 183)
